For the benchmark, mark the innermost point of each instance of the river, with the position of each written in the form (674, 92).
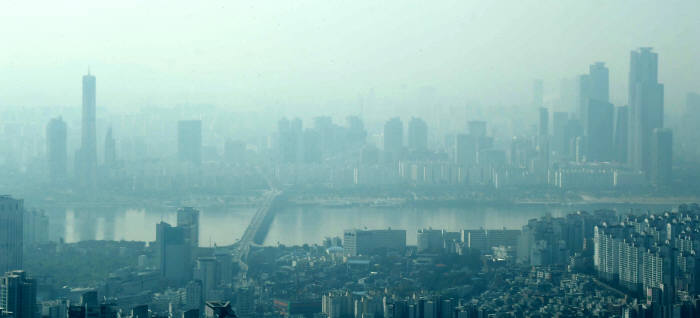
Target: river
(298, 225)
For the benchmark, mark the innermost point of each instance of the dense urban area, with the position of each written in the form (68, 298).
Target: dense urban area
(568, 204)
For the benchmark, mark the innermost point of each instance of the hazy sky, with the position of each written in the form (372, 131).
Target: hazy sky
(252, 53)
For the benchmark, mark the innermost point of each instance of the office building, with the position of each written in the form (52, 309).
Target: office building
(365, 242)
(417, 134)
(189, 141)
(86, 157)
(661, 156)
(188, 220)
(55, 308)
(599, 132)
(11, 233)
(173, 252)
(393, 140)
(593, 86)
(56, 149)
(194, 297)
(599, 88)
(18, 294)
(88, 300)
(646, 102)
(594, 99)
(207, 271)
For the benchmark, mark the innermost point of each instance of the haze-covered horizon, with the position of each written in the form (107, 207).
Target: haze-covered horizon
(330, 57)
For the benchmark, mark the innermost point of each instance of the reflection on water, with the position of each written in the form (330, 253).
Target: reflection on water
(217, 226)
(300, 225)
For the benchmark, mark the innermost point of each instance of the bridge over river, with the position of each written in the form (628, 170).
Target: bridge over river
(256, 231)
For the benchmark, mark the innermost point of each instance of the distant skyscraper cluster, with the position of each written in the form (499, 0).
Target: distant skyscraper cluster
(600, 133)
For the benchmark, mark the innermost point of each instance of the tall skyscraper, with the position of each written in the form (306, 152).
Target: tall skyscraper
(173, 252)
(11, 233)
(18, 294)
(599, 88)
(417, 134)
(599, 137)
(661, 156)
(56, 150)
(189, 141)
(393, 139)
(594, 96)
(86, 160)
(621, 133)
(593, 86)
(646, 102)
(110, 148)
(188, 218)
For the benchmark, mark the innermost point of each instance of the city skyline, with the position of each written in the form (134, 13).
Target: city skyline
(315, 159)
(185, 77)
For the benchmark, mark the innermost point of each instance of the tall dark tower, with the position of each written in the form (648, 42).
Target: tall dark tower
(646, 102)
(87, 158)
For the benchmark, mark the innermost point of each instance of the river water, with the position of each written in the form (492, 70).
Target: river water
(301, 224)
